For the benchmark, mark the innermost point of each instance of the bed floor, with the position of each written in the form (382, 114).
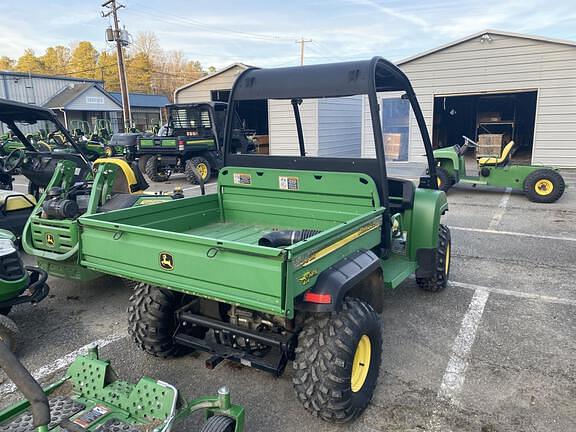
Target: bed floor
(242, 233)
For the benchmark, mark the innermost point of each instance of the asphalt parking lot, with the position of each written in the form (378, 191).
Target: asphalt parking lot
(495, 351)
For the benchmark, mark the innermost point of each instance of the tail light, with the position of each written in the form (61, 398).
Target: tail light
(181, 145)
(311, 297)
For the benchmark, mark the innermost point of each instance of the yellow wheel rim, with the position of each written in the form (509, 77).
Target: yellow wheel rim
(202, 170)
(439, 181)
(447, 264)
(544, 187)
(361, 364)
(108, 151)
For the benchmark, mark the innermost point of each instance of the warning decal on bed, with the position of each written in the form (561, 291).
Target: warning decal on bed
(289, 183)
(91, 416)
(242, 179)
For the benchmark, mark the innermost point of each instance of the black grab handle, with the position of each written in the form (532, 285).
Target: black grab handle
(27, 385)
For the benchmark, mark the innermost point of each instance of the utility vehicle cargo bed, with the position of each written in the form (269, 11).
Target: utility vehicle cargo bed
(208, 245)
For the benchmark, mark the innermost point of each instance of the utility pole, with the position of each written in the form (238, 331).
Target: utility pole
(117, 37)
(302, 41)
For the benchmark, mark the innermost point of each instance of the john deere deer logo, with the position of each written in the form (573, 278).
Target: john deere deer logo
(166, 261)
(50, 239)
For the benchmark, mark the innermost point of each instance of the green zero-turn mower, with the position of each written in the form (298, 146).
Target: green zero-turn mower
(290, 259)
(91, 398)
(18, 284)
(540, 184)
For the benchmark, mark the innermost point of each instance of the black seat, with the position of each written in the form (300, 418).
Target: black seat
(400, 188)
(119, 201)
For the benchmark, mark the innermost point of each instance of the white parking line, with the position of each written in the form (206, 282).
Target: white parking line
(501, 209)
(455, 374)
(519, 294)
(512, 233)
(62, 362)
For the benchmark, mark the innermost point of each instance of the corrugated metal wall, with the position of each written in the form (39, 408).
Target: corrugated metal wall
(35, 90)
(505, 64)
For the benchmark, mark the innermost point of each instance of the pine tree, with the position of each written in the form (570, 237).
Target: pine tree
(56, 60)
(83, 61)
(28, 62)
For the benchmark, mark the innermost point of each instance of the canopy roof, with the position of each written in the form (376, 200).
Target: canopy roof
(319, 81)
(21, 112)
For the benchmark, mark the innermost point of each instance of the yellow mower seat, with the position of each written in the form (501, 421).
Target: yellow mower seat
(502, 160)
(12, 201)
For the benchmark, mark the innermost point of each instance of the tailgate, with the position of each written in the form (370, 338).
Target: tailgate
(232, 272)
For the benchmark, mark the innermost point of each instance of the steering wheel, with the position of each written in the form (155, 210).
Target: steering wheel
(467, 142)
(13, 160)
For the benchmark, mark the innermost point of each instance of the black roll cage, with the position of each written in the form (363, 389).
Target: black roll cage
(367, 77)
(12, 112)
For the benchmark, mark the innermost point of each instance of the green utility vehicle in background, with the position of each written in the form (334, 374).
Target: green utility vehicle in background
(91, 398)
(19, 284)
(540, 184)
(190, 141)
(290, 259)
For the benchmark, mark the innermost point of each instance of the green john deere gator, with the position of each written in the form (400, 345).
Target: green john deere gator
(290, 259)
(91, 398)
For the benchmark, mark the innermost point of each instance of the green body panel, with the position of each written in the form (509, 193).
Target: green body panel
(172, 143)
(511, 175)
(448, 159)
(150, 405)
(208, 233)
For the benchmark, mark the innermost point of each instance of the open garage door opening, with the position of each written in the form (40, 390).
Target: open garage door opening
(493, 120)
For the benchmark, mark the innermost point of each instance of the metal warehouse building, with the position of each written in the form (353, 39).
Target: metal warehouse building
(517, 86)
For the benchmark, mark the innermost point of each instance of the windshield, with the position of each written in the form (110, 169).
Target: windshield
(43, 135)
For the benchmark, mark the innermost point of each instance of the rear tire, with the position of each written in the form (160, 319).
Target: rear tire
(219, 423)
(153, 171)
(142, 163)
(202, 166)
(9, 333)
(439, 280)
(152, 320)
(445, 180)
(332, 380)
(544, 186)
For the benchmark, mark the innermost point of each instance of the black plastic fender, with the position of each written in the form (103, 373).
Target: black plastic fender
(359, 273)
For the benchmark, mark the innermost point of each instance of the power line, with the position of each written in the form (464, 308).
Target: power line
(172, 19)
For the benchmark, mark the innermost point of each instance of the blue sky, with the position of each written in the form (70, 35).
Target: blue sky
(263, 33)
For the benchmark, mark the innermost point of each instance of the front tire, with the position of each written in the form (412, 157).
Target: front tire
(154, 172)
(338, 361)
(219, 423)
(444, 180)
(439, 280)
(544, 186)
(202, 166)
(142, 160)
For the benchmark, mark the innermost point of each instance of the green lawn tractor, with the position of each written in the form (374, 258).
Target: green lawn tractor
(290, 259)
(91, 398)
(95, 141)
(19, 284)
(191, 141)
(540, 184)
